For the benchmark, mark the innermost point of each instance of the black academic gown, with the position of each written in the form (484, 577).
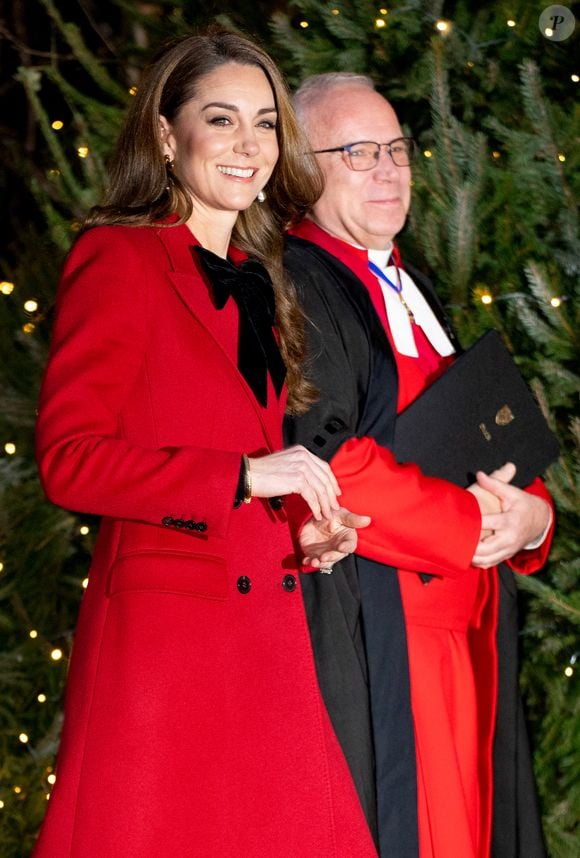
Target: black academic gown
(355, 614)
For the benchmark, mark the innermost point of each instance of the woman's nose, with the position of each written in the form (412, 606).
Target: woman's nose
(246, 144)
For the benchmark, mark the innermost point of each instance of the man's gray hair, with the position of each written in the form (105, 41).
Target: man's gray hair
(317, 87)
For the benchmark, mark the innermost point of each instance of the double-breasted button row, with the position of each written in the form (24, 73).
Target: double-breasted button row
(184, 523)
(244, 584)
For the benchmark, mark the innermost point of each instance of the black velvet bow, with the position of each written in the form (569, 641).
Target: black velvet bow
(250, 286)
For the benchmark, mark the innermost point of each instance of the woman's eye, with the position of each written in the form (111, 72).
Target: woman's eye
(270, 124)
(220, 120)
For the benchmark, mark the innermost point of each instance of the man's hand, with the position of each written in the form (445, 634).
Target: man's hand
(523, 518)
(327, 541)
(489, 503)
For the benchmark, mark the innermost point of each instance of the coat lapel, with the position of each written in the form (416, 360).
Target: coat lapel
(193, 289)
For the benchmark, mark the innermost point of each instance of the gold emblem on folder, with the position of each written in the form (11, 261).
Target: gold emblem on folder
(485, 431)
(504, 416)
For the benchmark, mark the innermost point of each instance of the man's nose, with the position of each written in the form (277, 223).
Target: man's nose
(385, 164)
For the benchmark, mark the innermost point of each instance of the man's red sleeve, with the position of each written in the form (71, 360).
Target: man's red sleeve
(419, 523)
(528, 562)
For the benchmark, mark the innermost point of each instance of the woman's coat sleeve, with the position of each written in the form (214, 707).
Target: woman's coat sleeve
(105, 310)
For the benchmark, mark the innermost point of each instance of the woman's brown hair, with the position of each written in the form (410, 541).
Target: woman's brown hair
(141, 192)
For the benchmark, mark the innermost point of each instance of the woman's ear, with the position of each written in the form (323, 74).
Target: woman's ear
(166, 137)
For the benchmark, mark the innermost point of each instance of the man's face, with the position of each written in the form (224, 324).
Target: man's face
(367, 208)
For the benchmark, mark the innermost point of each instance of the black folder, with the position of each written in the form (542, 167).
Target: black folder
(476, 416)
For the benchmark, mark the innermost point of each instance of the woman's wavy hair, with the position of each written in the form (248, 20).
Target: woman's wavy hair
(141, 191)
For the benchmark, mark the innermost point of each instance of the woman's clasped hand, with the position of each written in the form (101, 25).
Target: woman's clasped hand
(296, 471)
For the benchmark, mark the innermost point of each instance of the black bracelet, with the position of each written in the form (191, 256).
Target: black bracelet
(241, 486)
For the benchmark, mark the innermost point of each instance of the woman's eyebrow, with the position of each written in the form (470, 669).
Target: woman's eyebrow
(223, 106)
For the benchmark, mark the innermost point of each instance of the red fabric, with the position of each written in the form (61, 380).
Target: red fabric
(430, 526)
(414, 518)
(193, 721)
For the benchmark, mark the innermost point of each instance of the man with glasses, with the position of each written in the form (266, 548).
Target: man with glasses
(377, 337)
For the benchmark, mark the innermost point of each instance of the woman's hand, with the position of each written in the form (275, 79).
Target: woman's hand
(327, 541)
(296, 471)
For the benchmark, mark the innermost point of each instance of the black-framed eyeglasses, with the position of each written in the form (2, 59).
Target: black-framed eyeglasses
(364, 155)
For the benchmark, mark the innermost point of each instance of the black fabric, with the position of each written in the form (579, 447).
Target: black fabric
(463, 410)
(516, 829)
(241, 485)
(250, 286)
(333, 610)
(357, 610)
(348, 354)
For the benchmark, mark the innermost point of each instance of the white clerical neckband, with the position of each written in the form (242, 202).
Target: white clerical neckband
(405, 302)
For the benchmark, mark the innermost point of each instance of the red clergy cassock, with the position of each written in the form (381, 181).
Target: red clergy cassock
(194, 725)
(423, 524)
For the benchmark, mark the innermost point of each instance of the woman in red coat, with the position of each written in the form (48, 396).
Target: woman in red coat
(194, 724)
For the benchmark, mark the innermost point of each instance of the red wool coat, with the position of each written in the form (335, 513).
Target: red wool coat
(193, 723)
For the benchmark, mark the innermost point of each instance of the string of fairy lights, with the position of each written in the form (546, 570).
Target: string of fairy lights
(55, 655)
(34, 313)
(444, 27)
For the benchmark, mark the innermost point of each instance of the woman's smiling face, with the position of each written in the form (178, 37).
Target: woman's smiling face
(223, 142)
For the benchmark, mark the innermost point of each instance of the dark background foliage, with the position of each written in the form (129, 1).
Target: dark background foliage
(494, 108)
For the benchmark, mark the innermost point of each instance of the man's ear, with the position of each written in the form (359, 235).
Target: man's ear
(165, 136)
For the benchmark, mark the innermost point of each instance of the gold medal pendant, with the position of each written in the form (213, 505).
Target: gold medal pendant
(407, 308)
